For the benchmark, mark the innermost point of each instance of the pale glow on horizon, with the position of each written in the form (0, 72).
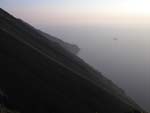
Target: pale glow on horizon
(79, 11)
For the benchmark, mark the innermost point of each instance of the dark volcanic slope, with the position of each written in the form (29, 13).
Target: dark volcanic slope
(39, 75)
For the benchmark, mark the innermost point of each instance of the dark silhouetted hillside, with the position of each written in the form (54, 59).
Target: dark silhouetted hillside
(40, 76)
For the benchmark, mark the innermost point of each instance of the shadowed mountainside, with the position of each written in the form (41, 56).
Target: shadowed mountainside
(39, 75)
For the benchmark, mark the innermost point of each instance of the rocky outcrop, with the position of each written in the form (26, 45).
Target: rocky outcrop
(40, 76)
(70, 47)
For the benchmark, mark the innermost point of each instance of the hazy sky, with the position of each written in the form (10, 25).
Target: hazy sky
(126, 61)
(78, 11)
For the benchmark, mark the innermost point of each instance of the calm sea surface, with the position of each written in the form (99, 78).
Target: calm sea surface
(120, 52)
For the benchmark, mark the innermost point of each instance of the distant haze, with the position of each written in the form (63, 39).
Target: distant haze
(113, 35)
(121, 53)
